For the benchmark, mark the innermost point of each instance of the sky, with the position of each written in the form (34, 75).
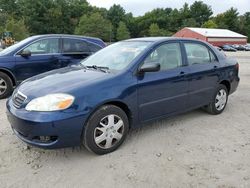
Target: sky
(139, 7)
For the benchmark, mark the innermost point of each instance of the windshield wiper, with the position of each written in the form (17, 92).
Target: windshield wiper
(103, 69)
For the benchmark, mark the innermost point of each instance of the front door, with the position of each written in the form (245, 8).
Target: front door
(165, 92)
(44, 57)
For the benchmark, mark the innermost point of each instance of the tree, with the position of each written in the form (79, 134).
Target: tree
(154, 30)
(200, 12)
(246, 25)
(18, 29)
(228, 20)
(10, 7)
(116, 13)
(55, 16)
(63, 16)
(189, 22)
(159, 16)
(122, 32)
(94, 25)
(209, 24)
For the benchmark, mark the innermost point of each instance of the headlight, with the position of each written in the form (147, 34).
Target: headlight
(51, 102)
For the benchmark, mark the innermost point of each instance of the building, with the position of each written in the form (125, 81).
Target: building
(216, 37)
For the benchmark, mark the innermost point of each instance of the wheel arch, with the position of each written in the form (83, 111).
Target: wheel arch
(227, 84)
(124, 107)
(12, 77)
(117, 103)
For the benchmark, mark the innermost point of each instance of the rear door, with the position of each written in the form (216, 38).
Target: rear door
(164, 92)
(203, 75)
(74, 50)
(44, 57)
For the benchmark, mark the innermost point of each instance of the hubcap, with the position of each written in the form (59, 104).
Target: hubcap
(221, 100)
(109, 131)
(3, 86)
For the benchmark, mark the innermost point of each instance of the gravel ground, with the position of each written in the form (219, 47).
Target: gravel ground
(190, 150)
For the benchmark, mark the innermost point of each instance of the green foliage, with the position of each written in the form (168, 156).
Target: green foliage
(94, 25)
(209, 24)
(17, 28)
(122, 32)
(228, 20)
(116, 14)
(245, 29)
(49, 16)
(71, 16)
(9, 7)
(200, 12)
(155, 31)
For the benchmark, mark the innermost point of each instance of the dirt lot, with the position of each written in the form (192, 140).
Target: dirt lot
(191, 150)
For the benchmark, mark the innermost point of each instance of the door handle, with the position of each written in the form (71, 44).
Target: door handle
(182, 73)
(215, 67)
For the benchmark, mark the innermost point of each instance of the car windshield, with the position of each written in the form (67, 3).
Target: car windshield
(117, 56)
(13, 47)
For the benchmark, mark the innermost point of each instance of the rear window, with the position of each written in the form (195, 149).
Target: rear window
(75, 46)
(198, 54)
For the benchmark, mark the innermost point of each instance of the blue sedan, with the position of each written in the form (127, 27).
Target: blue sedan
(42, 53)
(119, 88)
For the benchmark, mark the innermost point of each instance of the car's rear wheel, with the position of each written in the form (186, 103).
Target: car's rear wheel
(106, 129)
(219, 102)
(6, 85)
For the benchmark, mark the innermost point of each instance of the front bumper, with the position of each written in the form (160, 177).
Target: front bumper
(59, 128)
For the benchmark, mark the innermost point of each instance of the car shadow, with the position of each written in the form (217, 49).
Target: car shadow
(143, 132)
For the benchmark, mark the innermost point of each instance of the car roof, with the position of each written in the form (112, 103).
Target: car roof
(161, 39)
(90, 39)
(64, 35)
(155, 40)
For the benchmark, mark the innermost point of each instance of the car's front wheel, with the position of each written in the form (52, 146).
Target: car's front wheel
(6, 86)
(106, 129)
(219, 101)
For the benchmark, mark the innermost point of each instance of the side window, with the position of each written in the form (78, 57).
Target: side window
(167, 55)
(198, 54)
(45, 46)
(94, 47)
(75, 46)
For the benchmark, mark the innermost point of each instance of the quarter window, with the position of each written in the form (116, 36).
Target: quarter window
(75, 46)
(198, 54)
(45, 46)
(167, 55)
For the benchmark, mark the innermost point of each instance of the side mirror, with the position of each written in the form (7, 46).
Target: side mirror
(150, 67)
(25, 53)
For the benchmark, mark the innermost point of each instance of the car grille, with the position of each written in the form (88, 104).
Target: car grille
(18, 99)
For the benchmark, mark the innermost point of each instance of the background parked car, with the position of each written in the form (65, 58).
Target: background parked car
(247, 47)
(218, 48)
(239, 47)
(228, 48)
(42, 53)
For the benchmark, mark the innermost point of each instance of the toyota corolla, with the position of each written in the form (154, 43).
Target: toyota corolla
(119, 88)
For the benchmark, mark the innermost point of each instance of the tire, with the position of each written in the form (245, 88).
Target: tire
(213, 107)
(6, 85)
(100, 135)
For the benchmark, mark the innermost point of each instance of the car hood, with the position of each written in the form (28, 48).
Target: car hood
(65, 80)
